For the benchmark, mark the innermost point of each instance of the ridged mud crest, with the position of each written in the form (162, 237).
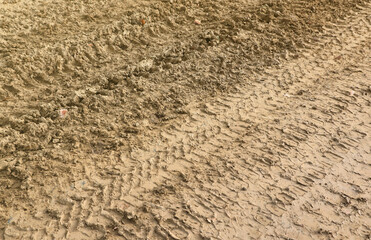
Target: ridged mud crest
(253, 124)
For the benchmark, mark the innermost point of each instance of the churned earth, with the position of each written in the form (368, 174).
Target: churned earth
(185, 119)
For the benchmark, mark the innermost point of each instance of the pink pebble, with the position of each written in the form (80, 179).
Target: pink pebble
(63, 113)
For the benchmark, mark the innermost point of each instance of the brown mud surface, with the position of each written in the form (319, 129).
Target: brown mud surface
(254, 124)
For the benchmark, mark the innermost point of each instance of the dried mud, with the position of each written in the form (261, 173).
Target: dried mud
(254, 124)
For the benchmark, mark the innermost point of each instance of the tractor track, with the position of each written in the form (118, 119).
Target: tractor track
(285, 154)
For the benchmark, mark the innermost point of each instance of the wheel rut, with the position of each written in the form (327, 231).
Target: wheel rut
(286, 155)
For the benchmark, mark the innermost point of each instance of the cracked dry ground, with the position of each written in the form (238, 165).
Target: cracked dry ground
(255, 124)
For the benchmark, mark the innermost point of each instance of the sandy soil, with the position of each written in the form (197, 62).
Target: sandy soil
(254, 124)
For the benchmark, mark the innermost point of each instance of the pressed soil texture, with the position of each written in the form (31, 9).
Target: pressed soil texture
(185, 119)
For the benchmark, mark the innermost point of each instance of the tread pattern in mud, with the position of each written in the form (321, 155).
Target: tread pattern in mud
(287, 155)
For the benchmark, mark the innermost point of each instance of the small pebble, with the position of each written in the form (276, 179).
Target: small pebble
(198, 22)
(63, 113)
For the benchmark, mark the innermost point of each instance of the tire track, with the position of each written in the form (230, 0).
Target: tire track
(274, 159)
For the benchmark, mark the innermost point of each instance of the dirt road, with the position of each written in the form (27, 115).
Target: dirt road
(254, 124)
